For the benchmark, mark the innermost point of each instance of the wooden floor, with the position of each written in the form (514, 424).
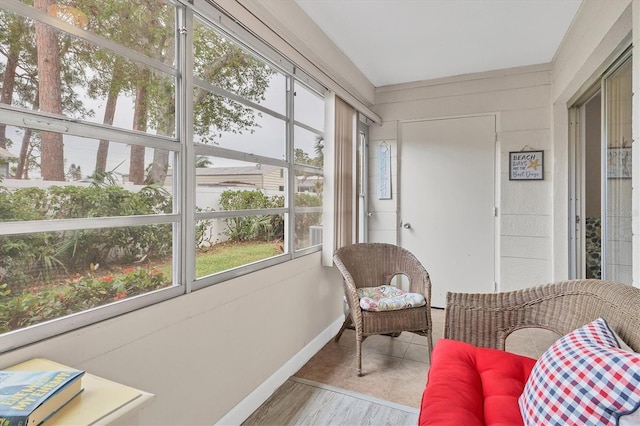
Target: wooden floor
(303, 402)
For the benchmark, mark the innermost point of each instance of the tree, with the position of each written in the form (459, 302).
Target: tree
(224, 64)
(301, 157)
(19, 74)
(115, 87)
(27, 159)
(60, 66)
(318, 148)
(50, 98)
(202, 161)
(136, 159)
(14, 34)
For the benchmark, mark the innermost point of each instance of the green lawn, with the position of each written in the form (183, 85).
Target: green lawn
(222, 257)
(228, 256)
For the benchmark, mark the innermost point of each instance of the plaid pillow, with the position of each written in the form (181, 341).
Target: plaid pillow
(582, 379)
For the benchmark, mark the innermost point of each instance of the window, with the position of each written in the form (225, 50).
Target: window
(309, 161)
(123, 152)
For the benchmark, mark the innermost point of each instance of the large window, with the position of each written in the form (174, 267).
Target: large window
(137, 135)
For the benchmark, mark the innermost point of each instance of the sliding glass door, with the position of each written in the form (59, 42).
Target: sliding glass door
(616, 248)
(601, 237)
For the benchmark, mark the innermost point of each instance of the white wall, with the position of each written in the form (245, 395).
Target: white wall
(531, 104)
(204, 353)
(520, 98)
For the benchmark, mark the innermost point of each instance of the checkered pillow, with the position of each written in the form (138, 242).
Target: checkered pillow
(582, 379)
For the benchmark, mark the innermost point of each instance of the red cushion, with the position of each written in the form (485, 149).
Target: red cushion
(468, 385)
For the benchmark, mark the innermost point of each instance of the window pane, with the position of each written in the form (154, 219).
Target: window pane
(619, 210)
(217, 179)
(308, 229)
(308, 207)
(229, 243)
(53, 274)
(309, 147)
(225, 64)
(84, 81)
(310, 183)
(85, 192)
(147, 27)
(229, 124)
(308, 107)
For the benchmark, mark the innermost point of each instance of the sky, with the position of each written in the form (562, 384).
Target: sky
(266, 139)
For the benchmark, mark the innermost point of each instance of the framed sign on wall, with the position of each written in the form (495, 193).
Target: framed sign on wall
(383, 172)
(526, 165)
(619, 163)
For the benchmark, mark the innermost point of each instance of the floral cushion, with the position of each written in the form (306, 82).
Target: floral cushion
(388, 298)
(584, 378)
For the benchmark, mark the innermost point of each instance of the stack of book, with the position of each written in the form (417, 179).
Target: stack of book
(30, 397)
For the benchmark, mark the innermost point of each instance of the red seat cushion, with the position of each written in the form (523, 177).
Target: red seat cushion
(468, 385)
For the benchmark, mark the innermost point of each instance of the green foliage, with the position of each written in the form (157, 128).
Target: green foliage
(204, 236)
(257, 227)
(305, 220)
(80, 293)
(41, 257)
(265, 227)
(223, 63)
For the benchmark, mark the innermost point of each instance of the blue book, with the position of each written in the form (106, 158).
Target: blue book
(28, 398)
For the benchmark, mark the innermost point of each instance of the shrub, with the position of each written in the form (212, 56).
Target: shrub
(80, 293)
(29, 259)
(251, 228)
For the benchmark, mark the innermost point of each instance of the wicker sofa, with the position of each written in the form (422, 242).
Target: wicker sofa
(473, 381)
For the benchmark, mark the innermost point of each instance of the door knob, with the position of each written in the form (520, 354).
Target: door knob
(407, 226)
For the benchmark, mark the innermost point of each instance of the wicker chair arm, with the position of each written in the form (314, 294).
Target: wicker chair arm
(351, 295)
(487, 319)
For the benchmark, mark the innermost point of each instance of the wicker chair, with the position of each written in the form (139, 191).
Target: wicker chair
(375, 264)
(487, 319)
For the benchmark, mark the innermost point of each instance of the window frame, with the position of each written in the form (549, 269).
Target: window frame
(184, 216)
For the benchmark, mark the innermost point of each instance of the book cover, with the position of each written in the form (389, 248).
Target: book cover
(27, 398)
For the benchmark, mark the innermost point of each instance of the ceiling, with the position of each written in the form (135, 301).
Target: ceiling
(399, 41)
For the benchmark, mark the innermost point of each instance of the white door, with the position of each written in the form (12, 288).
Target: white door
(447, 202)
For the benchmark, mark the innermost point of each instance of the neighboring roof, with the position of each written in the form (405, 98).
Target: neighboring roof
(6, 154)
(230, 171)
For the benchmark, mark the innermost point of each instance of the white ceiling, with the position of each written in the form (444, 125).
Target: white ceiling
(399, 41)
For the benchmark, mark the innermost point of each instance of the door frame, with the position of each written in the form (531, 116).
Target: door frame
(576, 170)
(497, 166)
(362, 186)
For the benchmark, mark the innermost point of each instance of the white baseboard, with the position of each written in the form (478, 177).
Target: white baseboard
(248, 405)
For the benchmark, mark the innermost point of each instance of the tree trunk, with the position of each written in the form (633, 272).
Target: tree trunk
(52, 148)
(7, 85)
(159, 167)
(109, 114)
(136, 161)
(103, 147)
(22, 171)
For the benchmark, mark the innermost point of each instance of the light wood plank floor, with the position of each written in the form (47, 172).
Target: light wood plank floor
(303, 402)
